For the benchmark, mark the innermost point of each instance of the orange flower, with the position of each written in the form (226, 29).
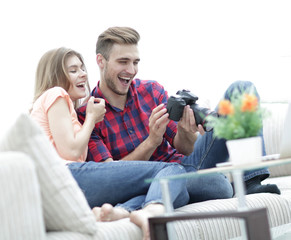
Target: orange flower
(249, 103)
(225, 107)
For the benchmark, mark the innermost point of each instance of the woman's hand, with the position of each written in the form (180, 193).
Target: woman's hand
(96, 109)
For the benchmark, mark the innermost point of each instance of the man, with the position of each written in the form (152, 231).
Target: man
(136, 123)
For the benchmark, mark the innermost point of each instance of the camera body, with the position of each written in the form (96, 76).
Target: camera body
(176, 104)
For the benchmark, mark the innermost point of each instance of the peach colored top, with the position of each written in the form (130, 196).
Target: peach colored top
(40, 113)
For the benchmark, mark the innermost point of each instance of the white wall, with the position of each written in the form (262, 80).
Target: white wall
(199, 45)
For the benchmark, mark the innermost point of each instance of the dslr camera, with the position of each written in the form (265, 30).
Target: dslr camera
(176, 104)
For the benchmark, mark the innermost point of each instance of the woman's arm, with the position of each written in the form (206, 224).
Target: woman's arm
(72, 145)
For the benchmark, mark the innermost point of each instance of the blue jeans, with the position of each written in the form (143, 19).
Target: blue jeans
(122, 183)
(208, 151)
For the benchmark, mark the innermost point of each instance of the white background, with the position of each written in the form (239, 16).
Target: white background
(200, 45)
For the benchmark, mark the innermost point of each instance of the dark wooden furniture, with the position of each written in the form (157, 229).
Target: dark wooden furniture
(257, 225)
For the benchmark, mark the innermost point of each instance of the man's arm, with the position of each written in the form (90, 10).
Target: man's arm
(187, 132)
(157, 126)
(158, 122)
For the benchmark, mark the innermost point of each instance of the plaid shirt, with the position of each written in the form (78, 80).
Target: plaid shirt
(122, 131)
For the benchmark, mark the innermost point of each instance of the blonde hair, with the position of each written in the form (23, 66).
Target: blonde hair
(51, 72)
(119, 35)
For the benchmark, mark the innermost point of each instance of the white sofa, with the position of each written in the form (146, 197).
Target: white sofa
(40, 199)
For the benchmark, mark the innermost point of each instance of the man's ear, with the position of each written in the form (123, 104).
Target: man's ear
(100, 60)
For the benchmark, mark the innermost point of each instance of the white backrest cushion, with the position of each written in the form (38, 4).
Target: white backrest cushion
(273, 128)
(64, 205)
(20, 202)
(273, 125)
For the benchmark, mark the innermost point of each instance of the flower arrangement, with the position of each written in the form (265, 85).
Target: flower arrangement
(239, 118)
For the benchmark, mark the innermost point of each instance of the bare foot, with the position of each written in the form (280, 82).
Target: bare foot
(108, 213)
(96, 211)
(140, 217)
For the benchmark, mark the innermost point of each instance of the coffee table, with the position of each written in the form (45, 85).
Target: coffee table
(243, 212)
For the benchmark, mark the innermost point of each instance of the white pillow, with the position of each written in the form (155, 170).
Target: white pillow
(64, 205)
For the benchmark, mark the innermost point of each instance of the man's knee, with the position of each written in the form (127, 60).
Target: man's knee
(204, 188)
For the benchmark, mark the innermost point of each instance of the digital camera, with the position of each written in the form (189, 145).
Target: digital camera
(176, 104)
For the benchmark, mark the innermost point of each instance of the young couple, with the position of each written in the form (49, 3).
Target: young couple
(127, 133)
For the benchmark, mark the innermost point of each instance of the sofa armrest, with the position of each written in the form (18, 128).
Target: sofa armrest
(20, 202)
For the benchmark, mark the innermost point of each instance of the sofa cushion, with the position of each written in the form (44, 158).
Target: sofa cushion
(278, 210)
(64, 205)
(273, 127)
(121, 229)
(20, 202)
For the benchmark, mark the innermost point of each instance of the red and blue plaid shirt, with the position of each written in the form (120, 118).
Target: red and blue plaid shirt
(122, 131)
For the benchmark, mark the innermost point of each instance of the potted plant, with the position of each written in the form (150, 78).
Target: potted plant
(240, 122)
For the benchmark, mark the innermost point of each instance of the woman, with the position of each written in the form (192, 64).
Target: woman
(61, 82)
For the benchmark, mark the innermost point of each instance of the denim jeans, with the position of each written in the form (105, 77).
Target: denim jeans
(208, 151)
(123, 183)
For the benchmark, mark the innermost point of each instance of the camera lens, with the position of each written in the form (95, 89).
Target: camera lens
(200, 114)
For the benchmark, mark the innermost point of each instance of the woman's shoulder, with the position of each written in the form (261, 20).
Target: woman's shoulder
(53, 93)
(57, 91)
(49, 97)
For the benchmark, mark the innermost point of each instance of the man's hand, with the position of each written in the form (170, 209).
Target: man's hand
(187, 132)
(158, 122)
(187, 124)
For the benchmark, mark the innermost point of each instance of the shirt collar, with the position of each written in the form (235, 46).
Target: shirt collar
(96, 92)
